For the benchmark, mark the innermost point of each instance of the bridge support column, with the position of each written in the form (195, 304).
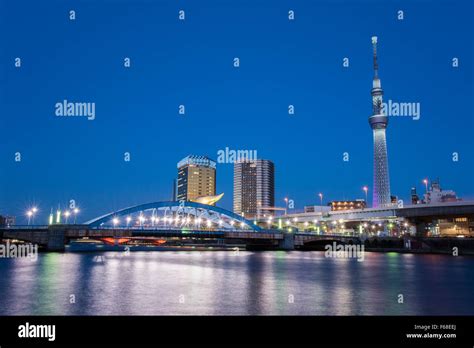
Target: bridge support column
(55, 240)
(288, 242)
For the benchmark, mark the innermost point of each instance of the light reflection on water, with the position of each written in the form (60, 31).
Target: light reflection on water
(225, 283)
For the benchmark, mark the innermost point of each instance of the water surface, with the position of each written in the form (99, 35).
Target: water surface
(228, 283)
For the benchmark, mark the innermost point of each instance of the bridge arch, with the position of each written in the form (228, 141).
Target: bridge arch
(179, 214)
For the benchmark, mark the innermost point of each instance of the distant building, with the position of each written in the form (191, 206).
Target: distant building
(415, 199)
(347, 205)
(254, 187)
(196, 178)
(437, 195)
(317, 209)
(7, 221)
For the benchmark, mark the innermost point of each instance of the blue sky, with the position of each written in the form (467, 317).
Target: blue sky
(282, 62)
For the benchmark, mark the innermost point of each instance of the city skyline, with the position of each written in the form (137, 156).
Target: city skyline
(58, 163)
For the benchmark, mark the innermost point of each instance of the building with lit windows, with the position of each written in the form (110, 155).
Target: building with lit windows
(254, 187)
(347, 205)
(196, 178)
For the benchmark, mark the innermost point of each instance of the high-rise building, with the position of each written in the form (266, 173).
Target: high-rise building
(196, 178)
(254, 186)
(378, 122)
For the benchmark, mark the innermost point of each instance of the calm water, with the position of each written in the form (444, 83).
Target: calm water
(206, 283)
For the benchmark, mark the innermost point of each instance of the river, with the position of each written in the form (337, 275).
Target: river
(236, 283)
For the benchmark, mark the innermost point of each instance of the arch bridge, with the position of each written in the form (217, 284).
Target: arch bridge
(174, 215)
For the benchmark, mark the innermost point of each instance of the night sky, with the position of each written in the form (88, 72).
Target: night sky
(190, 62)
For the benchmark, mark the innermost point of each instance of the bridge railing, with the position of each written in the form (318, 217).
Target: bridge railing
(24, 227)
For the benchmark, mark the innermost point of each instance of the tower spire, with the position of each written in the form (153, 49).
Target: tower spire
(376, 65)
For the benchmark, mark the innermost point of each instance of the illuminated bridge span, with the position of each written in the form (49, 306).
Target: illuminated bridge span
(174, 215)
(157, 220)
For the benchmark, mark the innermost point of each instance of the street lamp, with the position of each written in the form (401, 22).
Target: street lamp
(321, 200)
(115, 221)
(29, 213)
(425, 181)
(34, 210)
(366, 189)
(128, 219)
(75, 211)
(286, 205)
(66, 214)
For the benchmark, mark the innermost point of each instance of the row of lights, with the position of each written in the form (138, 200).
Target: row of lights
(32, 212)
(341, 222)
(154, 219)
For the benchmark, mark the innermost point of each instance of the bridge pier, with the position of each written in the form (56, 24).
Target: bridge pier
(288, 242)
(56, 239)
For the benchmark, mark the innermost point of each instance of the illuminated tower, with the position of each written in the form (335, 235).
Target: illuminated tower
(378, 121)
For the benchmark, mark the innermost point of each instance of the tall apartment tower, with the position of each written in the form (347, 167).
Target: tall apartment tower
(254, 186)
(196, 178)
(378, 122)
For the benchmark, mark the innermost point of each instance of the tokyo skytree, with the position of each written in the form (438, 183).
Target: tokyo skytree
(378, 122)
